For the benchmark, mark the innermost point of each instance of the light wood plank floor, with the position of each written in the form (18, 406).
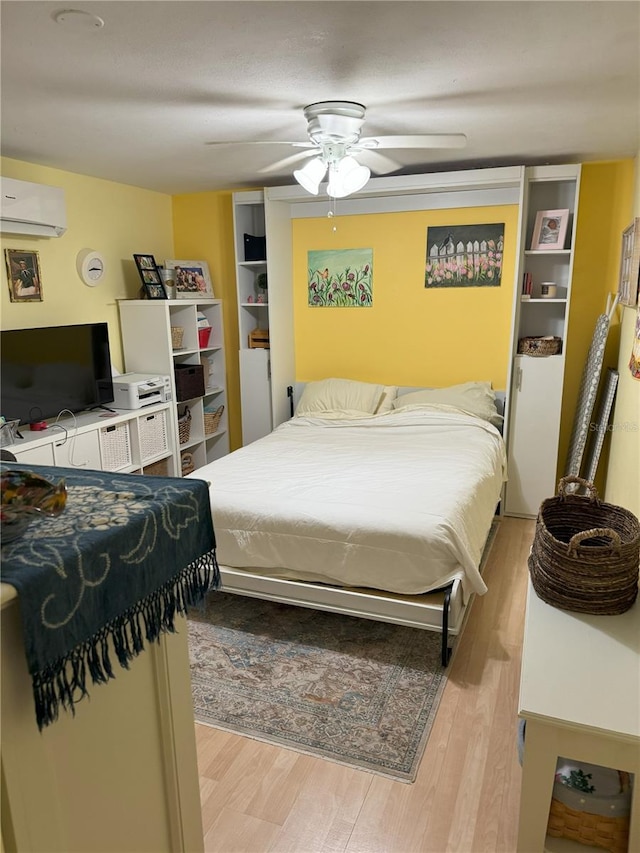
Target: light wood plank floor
(257, 797)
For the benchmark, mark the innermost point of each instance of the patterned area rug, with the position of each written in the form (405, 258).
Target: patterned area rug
(356, 691)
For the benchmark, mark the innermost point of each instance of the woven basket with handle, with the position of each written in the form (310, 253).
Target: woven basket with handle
(585, 553)
(212, 420)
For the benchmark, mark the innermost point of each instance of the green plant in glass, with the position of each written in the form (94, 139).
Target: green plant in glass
(261, 284)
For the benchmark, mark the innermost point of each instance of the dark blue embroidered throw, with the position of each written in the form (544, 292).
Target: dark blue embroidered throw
(126, 555)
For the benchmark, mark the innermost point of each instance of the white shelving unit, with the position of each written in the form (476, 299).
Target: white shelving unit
(130, 442)
(254, 362)
(148, 348)
(535, 401)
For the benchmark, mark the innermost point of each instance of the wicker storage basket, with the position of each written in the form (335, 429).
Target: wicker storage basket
(212, 420)
(585, 553)
(158, 469)
(177, 333)
(115, 447)
(184, 426)
(541, 346)
(153, 434)
(610, 833)
(187, 463)
(590, 818)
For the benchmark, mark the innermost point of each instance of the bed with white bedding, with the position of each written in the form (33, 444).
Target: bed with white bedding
(372, 513)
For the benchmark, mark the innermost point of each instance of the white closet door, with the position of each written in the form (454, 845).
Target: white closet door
(536, 400)
(255, 394)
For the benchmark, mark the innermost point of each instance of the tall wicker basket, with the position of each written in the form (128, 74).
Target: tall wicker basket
(586, 553)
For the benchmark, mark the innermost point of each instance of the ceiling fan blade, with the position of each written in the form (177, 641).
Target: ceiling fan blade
(264, 142)
(288, 161)
(378, 163)
(423, 140)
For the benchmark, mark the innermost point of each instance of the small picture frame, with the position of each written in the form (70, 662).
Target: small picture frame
(628, 285)
(192, 279)
(150, 275)
(550, 230)
(23, 275)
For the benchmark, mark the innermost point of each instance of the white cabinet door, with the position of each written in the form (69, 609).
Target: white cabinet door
(534, 426)
(78, 451)
(255, 394)
(41, 455)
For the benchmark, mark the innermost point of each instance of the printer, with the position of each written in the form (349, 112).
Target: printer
(135, 390)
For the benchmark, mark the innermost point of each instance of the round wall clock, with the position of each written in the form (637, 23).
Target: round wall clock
(91, 267)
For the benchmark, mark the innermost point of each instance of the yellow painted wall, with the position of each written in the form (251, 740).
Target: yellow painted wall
(112, 218)
(411, 335)
(203, 230)
(623, 475)
(605, 204)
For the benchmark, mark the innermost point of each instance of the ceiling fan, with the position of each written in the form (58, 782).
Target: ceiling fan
(334, 129)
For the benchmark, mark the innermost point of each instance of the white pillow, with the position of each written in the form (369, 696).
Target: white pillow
(388, 396)
(339, 395)
(476, 398)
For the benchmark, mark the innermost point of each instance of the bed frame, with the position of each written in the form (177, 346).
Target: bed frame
(442, 610)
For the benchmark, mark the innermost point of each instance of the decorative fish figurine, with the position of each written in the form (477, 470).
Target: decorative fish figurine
(26, 494)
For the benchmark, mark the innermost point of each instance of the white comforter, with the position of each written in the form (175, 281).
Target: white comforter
(400, 502)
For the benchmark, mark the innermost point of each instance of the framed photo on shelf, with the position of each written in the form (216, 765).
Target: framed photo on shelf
(23, 275)
(192, 279)
(550, 230)
(630, 265)
(150, 275)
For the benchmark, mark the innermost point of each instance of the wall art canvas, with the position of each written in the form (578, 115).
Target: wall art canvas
(340, 278)
(464, 255)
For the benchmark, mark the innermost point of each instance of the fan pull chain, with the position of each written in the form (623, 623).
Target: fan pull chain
(332, 213)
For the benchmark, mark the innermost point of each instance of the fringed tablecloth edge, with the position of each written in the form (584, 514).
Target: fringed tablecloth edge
(64, 682)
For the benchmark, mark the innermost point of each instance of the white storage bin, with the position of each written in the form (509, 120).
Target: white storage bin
(153, 434)
(115, 447)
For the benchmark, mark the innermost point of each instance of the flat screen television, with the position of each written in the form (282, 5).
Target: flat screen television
(56, 368)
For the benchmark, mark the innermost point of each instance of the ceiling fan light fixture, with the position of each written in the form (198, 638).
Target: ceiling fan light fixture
(310, 176)
(346, 177)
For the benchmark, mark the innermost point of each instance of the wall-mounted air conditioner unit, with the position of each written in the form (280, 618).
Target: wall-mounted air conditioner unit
(34, 209)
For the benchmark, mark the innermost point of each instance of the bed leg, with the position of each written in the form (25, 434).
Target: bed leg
(446, 651)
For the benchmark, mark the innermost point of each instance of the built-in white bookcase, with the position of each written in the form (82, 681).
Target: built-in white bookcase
(150, 347)
(253, 314)
(535, 399)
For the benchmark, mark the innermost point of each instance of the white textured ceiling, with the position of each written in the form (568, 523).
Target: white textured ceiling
(137, 100)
